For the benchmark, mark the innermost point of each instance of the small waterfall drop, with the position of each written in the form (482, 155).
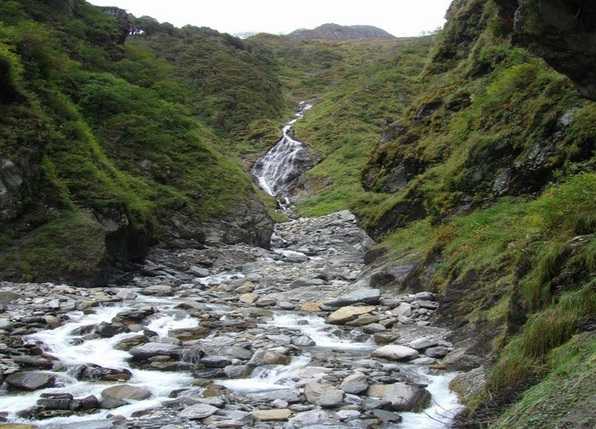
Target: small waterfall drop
(277, 172)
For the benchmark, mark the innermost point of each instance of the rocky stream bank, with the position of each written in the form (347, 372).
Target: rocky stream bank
(232, 336)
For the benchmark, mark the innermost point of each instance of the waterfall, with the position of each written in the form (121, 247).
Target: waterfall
(278, 171)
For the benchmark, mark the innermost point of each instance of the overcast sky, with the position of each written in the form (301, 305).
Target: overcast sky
(399, 17)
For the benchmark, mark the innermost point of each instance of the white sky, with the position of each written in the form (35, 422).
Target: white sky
(399, 17)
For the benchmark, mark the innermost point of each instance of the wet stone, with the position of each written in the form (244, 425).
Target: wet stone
(198, 411)
(30, 380)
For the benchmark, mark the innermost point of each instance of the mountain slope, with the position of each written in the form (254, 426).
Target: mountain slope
(335, 32)
(102, 154)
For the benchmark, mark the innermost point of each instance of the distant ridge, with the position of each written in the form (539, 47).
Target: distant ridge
(341, 32)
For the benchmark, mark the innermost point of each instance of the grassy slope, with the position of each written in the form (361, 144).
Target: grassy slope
(357, 87)
(98, 140)
(519, 266)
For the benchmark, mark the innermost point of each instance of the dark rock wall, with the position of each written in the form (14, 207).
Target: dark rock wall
(563, 32)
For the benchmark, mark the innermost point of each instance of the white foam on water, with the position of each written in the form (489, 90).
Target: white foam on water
(444, 406)
(218, 279)
(163, 325)
(59, 342)
(317, 329)
(266, 379)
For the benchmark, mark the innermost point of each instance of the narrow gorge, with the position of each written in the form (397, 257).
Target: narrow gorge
(233, 336)
(327, 228)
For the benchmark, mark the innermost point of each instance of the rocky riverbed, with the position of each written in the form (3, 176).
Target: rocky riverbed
(227, 337)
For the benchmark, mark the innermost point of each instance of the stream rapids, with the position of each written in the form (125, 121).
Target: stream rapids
(231, 337)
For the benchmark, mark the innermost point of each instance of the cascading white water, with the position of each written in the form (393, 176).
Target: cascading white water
(443, 408)
(61, 342)
(318, 330)
(439, 415)
(278, 170)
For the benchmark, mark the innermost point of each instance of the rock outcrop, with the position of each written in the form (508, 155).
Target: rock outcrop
(563, 32)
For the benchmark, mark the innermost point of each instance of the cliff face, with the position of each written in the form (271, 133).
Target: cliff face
(563, 32)
(335, 32)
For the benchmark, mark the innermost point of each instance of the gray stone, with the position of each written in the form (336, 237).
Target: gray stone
(425, 296)
(237, 371)
(310, 419)
(126, 294)
(125, 392)
(437, 352)
(424, 343)
(91, 372)
(431, 305)
(395, 352)
(361, 296)
(198, 411)
(374, 328)
(288, 395)
(387, 416)
(150, 350)
(355, 383)
(285, 305)
(198, 271)
(348, 414)
(215, 361)
(303, 341)
(404, 310)
(30, 380)
(323, 395)
(401, 396)
(159, 290)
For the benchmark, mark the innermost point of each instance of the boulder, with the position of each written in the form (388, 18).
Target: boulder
(430, 305)
(150, 350)
(423, 343)
(323, 395)
(215, 361)
(158, 290)
(108, 330)
(437, 352)
(355, 383)
(198, 411)
(248, 298)
(395, 352)
(125, 393)
(303, 341)
(269, 357)
(360, 296)
(91, 372)
(30, 381)
(345, 314)
(401, 396)
(404, 309)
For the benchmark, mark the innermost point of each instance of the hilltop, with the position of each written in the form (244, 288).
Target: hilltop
(337, 32)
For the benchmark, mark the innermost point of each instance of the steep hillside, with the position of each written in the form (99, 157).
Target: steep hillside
(227, 82)
(335, 32)
(102, 153)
